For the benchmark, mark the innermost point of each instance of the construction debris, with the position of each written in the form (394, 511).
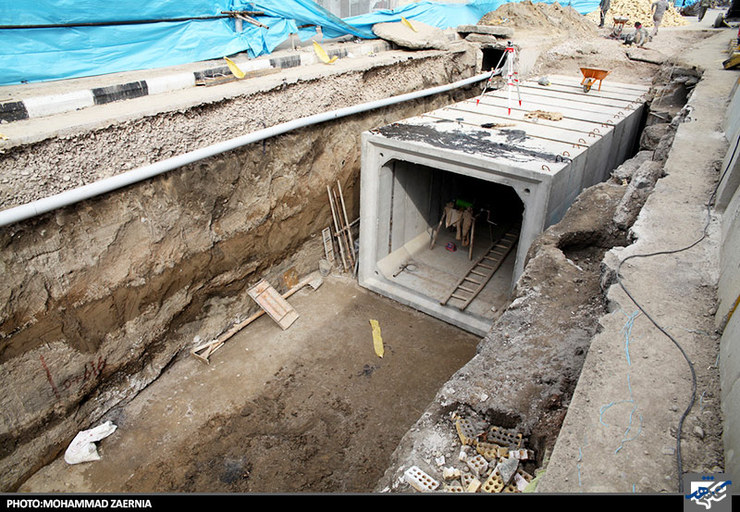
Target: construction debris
(419, 480)
(541, 114)
(224, 75)
(732, 62)
(274, 305)
(497, 464)
(83, 449)
(204, 351)
(420, 37)
(482, 39)
(495, 30)
(635, 10)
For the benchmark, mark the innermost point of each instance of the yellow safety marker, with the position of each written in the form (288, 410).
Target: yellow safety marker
(322, 54)
(377, 339)
(234, 68)
(408, 24)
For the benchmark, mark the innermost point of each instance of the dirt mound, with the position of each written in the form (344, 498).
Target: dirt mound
(638, 10)
(547, 18)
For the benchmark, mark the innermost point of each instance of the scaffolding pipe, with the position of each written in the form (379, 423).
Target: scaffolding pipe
(38, 207)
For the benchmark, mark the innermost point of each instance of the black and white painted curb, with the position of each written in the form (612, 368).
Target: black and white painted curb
(42, 106)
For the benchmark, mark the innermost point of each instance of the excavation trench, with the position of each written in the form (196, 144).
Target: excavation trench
(311, 408)
(100, 297)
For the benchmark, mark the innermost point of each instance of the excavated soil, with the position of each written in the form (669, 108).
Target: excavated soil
(309, 409)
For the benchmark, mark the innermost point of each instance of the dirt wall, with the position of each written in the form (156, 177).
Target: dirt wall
(99, 297)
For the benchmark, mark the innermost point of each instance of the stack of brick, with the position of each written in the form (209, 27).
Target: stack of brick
(491, 460)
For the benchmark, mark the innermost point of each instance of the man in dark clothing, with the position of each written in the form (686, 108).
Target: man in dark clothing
(603, 8)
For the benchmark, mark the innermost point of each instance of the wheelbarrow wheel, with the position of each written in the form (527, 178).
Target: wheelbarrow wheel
(587, 85)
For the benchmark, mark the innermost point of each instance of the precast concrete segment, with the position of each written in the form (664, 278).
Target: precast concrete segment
(547, 162)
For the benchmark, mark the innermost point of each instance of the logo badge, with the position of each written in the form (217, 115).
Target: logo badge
(707, 492)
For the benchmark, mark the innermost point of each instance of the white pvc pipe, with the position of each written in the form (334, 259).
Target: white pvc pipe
(34, 208)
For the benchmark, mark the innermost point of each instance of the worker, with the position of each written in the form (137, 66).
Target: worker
(658, 9)
(603, 8)
(639, 37)
(467, 223)
(703, 6)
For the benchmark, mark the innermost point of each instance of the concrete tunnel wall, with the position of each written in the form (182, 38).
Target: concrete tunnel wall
(596, 134)
(99, 297)
(728, 317)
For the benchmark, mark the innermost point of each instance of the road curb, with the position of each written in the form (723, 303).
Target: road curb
(46, 105)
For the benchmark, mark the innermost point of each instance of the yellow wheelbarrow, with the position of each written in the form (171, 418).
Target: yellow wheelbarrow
(591, 76)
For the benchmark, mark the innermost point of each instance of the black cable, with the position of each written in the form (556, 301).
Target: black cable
(679, 461)
(112, 23)
(224, 14)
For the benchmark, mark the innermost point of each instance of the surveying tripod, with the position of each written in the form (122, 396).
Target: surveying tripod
(509, 58)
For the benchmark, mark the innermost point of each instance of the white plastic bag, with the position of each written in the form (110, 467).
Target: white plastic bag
(83, 449)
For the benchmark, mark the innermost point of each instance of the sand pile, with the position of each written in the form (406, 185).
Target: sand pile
(547, 18)
(638, 10)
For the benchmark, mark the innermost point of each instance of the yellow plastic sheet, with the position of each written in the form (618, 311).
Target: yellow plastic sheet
(234, 68)
(408, 24)
(377, 338)
(322, 54)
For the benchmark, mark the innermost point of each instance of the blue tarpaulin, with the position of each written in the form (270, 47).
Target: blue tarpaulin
(87, 37)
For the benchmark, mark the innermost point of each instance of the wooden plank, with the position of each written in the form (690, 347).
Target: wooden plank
(328, 245)
(507, 243)
(350, 241)
(493, 270)
(457, 285)
(336, 229)
(274, 305)
(204, 351)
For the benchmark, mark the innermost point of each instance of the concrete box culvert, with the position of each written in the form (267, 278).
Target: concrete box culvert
(524, 164)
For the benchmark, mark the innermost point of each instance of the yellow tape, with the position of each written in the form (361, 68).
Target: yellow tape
(377, 338)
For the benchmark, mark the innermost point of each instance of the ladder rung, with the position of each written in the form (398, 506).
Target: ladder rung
(478, 273)
(465, 289)
(471, 280)
(485, 266)
(458, 297)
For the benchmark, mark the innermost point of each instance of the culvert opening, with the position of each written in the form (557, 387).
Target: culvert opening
(451, 238)
(491, 58)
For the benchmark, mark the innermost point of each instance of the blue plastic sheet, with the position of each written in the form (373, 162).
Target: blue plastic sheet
(42, 54)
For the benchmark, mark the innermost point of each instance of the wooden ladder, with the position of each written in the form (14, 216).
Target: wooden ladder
(477, 277)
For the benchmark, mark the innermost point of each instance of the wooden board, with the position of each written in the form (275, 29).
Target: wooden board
(274, 304)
